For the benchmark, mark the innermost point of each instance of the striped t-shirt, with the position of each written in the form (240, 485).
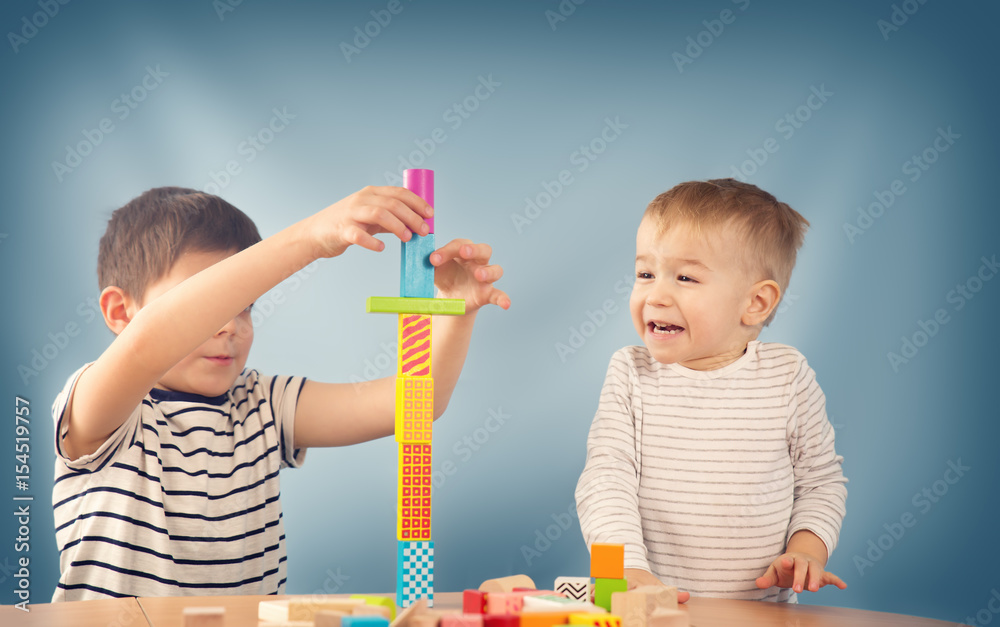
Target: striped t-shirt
(704, 475)
(182, 499)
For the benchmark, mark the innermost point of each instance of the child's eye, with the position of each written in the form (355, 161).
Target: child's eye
(643, 275)
(686, 279)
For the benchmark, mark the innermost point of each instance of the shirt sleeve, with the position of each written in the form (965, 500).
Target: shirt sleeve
(820, 495)
(111, 446)
(283, 396)
(607, 498)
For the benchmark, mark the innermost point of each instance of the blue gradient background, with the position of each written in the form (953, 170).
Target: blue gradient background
(848, 305)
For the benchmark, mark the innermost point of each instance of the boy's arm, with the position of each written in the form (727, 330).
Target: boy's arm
(155, 337)
(338, 414)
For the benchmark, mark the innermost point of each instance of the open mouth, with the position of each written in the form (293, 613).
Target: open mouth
(664, 329)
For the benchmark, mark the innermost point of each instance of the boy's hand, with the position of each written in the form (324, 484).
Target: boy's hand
(637, 577)
(355, 219)
(462, 270)
(798, 571)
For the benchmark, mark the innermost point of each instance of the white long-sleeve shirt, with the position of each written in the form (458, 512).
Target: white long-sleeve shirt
(704, 475)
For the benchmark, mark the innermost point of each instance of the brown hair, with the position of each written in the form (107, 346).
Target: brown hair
(146, 236)
(771, 231)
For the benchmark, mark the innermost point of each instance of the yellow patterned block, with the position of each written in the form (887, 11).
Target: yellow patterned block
(596, 620)
(413, 511)
(414, 345)
(414, 410)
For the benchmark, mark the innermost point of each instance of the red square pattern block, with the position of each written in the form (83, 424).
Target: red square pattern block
(414, 492)
(607, 561)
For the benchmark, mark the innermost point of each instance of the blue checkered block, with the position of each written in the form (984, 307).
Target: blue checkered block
(414, 572)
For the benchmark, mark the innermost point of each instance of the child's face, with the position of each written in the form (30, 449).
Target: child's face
(210, 369)
(690, 295)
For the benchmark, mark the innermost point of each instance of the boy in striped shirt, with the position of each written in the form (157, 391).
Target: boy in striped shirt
(168, 449)
(711, 457)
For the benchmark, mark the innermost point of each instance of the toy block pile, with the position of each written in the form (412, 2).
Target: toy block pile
(415, 401)
(327, 611)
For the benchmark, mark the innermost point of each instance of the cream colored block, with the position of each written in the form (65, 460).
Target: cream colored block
(329, 618)
(507, 584)
(204, 616)
(668, 618)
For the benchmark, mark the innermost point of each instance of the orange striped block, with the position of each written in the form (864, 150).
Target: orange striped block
(414, 345)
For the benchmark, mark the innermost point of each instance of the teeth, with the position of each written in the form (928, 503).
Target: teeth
(662, 330)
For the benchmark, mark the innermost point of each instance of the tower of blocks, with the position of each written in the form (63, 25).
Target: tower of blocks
(415, 401)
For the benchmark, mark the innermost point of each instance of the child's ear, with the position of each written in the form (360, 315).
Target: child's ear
(764, 297)
(117, 307)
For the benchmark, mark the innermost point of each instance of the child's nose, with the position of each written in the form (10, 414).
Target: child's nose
(659, 296)
(230, 327)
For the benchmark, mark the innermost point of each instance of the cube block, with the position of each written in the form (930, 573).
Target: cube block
(413, 515)
(596, 620)
(607, 561)
(603, 588)
(578, 588)
(473, 602)
(414, 409)
(414, 572)
(416, 274)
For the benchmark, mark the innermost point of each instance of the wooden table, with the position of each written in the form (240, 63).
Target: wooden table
(241, 611)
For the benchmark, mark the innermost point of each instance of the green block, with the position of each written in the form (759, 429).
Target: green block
(422, 306)
(376, 600)
(603, 589)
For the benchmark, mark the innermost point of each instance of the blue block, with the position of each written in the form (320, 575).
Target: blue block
(363, 621)
(414, 572)
(416, 274)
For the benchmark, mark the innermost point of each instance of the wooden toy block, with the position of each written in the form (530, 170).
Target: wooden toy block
(413, 519)
(421, 182)
(543, 619)
(414, 409)
(204, 616)
(462, 620)
(416, 274)
(414, 571)
(596, 620)
(289, 623)
(578, 588)
(668, 618)
(607, 561)
(352, 620)
(507, 584)
(415, 609)
(377, 602)
(414, 336)
(424, 306)
(504, 602)
(473, 602)
(553, 603)
(328, 618)
(603, 589)
(373, 610)
(636, 606)
(501, 620)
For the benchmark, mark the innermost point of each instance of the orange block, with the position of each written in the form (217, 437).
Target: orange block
(607, 561)
(543, 619)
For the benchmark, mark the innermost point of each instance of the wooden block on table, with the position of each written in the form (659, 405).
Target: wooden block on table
(553, 603)
(596, 619)
(404, 617)
(543, 619)
(668, 618)
(504, 602)
(204, 616)
(328, 618)
(507, 584)
(462, 620)
(373, 610)
(501, 620)
(473, 602)
(664, 597)
(377, 601)
(352, 620)
(413, 503)
(424, 306)
(607, 561)
(288, 623)
(414, 571)
(305, 608)
(416, 274)
(603, 588)
(414, 409)
(578, 588)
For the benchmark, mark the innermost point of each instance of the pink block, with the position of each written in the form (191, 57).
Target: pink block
(421, 183)
(504, 602)
(462, 620)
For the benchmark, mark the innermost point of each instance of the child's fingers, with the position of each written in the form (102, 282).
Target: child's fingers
(799, 574)
(357, 236)
(769, 578)
(831, 579)
(455, 249)
(488, 274)
(500, 299)
(390, 215)
(412, 209)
